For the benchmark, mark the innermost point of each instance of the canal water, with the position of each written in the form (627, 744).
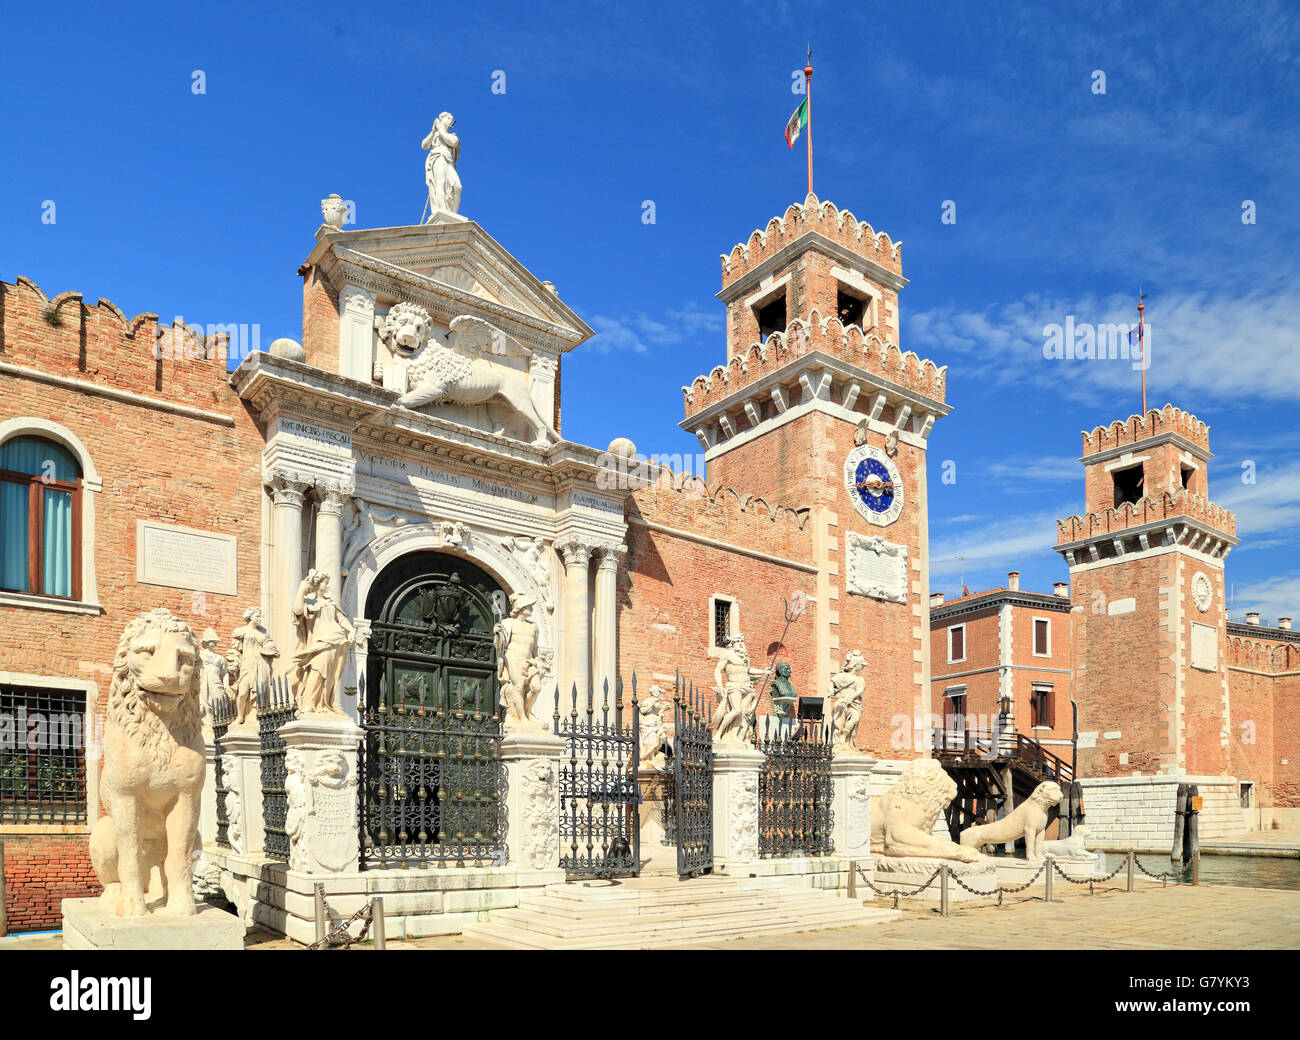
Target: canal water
(1238, 871)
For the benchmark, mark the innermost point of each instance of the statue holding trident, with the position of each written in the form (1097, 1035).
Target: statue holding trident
(440, 174)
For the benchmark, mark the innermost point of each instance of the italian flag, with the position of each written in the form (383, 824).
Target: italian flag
(797, 122)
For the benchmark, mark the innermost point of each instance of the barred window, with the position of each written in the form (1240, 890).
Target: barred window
(42, 755)
(721, 621)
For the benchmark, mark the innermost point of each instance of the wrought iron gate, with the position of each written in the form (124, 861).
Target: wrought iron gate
(600, 820)
(794, 788)
(431, 783)
(275, 707)
(692, 793)
(223, 714)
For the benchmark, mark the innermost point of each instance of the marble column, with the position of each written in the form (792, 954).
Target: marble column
(330, 497)
(577, 616)
(606, 634)
(287, 493)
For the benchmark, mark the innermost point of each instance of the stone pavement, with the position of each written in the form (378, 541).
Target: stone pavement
(1151, 918)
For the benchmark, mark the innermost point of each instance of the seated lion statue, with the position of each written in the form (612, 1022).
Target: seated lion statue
(903, 818)
(1027, 820)
(152, 779)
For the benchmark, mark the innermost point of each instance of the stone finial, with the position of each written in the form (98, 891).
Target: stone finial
(334, 211)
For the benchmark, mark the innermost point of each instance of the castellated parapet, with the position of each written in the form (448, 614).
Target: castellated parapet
(1166, 420)
(840, 226)
(865, 350)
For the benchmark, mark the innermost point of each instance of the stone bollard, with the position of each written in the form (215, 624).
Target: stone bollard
(321, 786)
(851, 804)
(735, 806)
(532, 761)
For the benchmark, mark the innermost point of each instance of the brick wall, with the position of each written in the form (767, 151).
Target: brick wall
(197, 467)
(40, 872)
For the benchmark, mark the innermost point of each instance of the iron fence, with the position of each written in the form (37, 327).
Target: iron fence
(275, 706)
(692, 791)
(795, 788)
(599, 796)
(432, 783)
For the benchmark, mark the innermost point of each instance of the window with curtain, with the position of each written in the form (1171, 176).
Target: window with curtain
(40, 518)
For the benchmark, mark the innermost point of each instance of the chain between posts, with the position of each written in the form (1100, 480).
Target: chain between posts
(1000, 890)
(339, 934)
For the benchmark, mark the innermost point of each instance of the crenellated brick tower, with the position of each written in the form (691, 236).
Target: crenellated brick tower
(1146, 575)
(818, 404)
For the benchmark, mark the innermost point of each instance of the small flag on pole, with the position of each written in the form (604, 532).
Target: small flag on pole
(797, 122)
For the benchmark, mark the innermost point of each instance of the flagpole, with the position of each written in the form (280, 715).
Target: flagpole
(807, 76)
(1142, 347)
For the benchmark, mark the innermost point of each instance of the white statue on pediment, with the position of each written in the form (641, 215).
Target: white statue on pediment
(474, 363)
(440, 173)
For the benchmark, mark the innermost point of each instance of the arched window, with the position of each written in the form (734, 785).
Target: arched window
(40, 518)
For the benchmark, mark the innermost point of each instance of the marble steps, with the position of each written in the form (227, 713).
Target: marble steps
(681, 913)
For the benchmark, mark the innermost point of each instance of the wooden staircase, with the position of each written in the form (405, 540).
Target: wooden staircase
(665, 912)
(989, 767)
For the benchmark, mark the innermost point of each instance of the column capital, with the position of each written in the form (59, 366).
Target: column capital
(331, 494)
(576, 551)
(287, 488)
(609, 554)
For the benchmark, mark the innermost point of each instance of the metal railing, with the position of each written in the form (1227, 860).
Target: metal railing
(275, 707)
(224, 713)
(794, 788)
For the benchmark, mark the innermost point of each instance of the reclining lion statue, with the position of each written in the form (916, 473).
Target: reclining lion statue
(903, 818)
(463, 367)
(1027, 820)
(153, 768)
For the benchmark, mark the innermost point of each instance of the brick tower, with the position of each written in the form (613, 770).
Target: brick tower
(1147, 590)
(818, 407)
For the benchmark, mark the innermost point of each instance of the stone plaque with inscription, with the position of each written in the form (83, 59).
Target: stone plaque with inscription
(876, 568)
(185, 558)
(1205, 647)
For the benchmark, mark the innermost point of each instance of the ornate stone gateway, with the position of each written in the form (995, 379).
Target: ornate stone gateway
(431, 771)
(692, 795)
(600, 823)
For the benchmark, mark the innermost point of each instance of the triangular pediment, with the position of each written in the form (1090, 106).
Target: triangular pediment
(456, 265)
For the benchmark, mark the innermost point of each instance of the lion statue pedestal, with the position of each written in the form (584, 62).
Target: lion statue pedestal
(152, 782)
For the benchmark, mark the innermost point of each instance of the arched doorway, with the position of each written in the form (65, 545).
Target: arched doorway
(431, 618)
(431, 772)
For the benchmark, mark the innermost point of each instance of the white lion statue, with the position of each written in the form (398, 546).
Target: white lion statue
(903, 818)
(1027, 820)
(153, 769)
(461, 367)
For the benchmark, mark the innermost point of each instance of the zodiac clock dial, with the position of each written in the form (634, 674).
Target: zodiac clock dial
(874, 485)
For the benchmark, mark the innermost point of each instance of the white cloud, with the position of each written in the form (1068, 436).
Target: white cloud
(1274, 597)
(638, 333)
(1199, 345)
(1010, 542)
(1270, 505)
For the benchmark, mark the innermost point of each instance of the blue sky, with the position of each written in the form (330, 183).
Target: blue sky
(1066, 200)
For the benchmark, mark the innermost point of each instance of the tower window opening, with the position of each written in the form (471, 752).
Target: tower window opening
(1186, 473)
(771, 317)
(851, 309)
(1128, 485)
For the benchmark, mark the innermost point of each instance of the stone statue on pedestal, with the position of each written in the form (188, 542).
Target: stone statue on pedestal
(251, 652)
(214, 685)
(650, 749)
(440, 173)
(519, 669)
(324, 635)
(847, 686)
(903, 818)
(733, 681)
(152, 779)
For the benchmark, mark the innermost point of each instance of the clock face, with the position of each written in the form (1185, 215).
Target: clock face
(874, 485)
